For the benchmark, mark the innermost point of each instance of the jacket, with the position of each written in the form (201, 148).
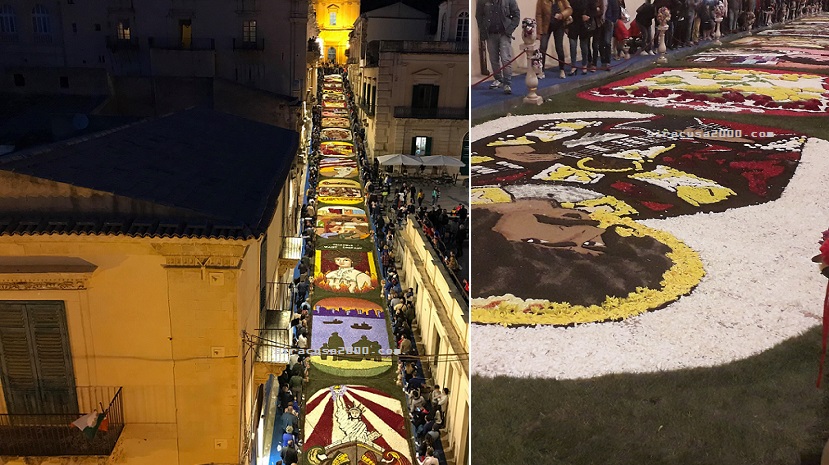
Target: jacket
(510, 16)
(544, 14)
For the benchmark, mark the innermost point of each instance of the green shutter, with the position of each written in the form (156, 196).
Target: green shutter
(35, 358)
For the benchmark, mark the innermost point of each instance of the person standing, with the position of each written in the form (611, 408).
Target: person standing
(578, 35)
(435, 195)
(644, 19)
(612, 13)
(497, 19)
(551, 17)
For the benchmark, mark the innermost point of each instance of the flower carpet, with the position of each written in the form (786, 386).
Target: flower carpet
(349, 327)
(355, 424)
(801, 44)
(598, 217)
(732, 90)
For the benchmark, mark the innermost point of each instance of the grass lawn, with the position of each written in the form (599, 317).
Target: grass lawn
(762, 410)
(759, 411)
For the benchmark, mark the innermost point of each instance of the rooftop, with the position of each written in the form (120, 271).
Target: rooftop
(195, 173)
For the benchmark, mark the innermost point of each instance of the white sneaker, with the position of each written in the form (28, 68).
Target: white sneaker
(507, 89)
(653, 53)
(644, 53)
(495, 84)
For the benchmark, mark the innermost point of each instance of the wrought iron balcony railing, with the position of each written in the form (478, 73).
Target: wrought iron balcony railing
(431, 113)
(115, 44)
(195, 44)
(54, 435)
(242, 44)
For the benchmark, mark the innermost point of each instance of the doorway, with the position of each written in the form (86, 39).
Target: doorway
(185, 32)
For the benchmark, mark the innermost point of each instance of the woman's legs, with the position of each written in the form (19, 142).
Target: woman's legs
(558, 38)
(573, 42)
(545, 42)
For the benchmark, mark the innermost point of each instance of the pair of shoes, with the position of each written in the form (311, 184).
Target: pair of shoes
(495, 84)
(507, 89)
(561, 74)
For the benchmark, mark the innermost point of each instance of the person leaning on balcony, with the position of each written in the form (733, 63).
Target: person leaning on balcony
(551, 17)
(497, 19)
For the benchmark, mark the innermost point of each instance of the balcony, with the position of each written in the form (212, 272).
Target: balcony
(416, 46)
(9, 38)
(242, 44)
(115, 44)
(42, 38)
(431, 113)
(54, 434)
(195, 44)
(368, 109)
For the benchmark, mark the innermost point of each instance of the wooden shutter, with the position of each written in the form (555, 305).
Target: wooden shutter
(19, 375)
(428, 146)
(36, 359)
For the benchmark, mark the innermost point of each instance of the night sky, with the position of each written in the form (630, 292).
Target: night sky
(426, 6)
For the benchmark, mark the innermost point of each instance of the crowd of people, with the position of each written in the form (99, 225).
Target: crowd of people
(602, 29)
(388, 206)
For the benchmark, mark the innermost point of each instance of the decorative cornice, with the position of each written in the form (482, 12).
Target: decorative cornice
(201, 255)
(44, 281)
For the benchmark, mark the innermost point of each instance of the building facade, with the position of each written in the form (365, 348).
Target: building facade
(51, 46)
(335, 21)
(129, 282)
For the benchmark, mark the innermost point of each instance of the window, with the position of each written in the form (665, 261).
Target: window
(249, 31)
(332, 54)
(425, 96)
(19, 80)
(8, 20)
(124, 30)
(332, 17)
(36, 362)
(40, 20)
(462, 32)
(421, 146)
(64, 82)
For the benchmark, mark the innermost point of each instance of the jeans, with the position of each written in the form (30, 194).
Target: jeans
(595, 38)
(690, 19)
(558, 39)
(733, 14)
(647, 37)
(500, 53)
(606, 32)
(585, 50)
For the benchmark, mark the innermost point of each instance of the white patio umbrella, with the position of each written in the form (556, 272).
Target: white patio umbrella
(441, 160)
(398, 160)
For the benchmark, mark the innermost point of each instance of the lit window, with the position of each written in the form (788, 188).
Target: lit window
(8, 20)
(462, 32)
(249, 31)
(124, 29)
(421, 146)
(332, 18)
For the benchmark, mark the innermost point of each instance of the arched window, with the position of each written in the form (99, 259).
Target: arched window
(332, 54)
(462, 32)
(40, 21)
(8, 20)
